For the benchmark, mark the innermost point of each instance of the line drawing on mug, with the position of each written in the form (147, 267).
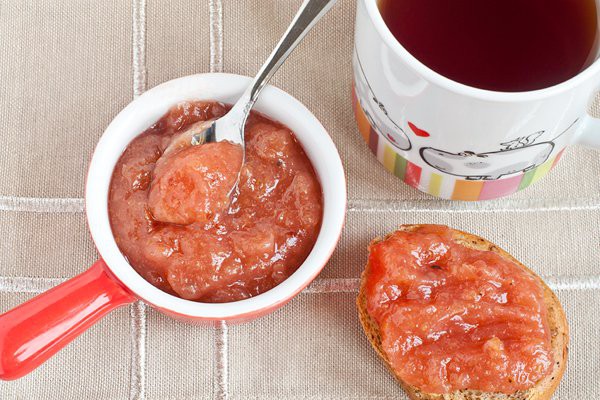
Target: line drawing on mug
(523, 141)
(519, 155)
(376, 111)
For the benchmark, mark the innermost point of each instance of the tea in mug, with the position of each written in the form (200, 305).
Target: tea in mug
(501, 45)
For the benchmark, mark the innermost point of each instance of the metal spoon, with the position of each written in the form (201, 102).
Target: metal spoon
(230, 127)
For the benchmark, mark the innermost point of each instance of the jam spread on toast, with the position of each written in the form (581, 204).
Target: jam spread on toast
(452, 317)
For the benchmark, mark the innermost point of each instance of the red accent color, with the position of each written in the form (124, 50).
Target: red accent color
(500, 187)
(412, 176)
(558, 157)
(418, 131)
(373, 141)
(32, 332)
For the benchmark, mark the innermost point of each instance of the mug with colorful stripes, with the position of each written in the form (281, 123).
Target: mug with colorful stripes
(455, 141)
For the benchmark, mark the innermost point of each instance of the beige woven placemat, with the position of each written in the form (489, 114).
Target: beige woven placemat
(68, 66)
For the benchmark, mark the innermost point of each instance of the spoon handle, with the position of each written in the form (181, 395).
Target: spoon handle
(309, 14)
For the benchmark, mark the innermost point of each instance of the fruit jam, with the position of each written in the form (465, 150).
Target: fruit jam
(172, 218)
(452, 317)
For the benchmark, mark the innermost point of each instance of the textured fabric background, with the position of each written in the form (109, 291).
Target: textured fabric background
(68, 66)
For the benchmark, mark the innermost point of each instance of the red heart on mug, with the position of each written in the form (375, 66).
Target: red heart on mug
(418, 131)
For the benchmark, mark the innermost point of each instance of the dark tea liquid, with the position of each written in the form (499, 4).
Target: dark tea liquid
(502, 45)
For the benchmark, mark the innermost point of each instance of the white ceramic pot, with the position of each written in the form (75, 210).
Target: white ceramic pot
(35, 330)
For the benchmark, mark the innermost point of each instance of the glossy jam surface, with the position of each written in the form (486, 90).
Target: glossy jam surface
(455, 318)
(193, 184)
(172, 218)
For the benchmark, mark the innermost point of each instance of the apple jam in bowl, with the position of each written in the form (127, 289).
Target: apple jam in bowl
(174, 219)
(193, 253)
(169, 234)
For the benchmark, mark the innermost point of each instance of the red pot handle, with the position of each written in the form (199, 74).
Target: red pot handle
(32, 332)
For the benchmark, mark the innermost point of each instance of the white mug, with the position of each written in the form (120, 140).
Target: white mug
(455, 141)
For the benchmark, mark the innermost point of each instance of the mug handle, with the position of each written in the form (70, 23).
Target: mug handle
(590, 132)
(34, 331)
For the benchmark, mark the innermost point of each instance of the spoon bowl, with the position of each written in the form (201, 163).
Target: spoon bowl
(192, 136)
(230, 127)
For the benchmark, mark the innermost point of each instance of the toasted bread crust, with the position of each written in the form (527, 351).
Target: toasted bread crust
(559, 330)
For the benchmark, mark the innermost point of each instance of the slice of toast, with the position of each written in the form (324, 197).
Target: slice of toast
(556, 317)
